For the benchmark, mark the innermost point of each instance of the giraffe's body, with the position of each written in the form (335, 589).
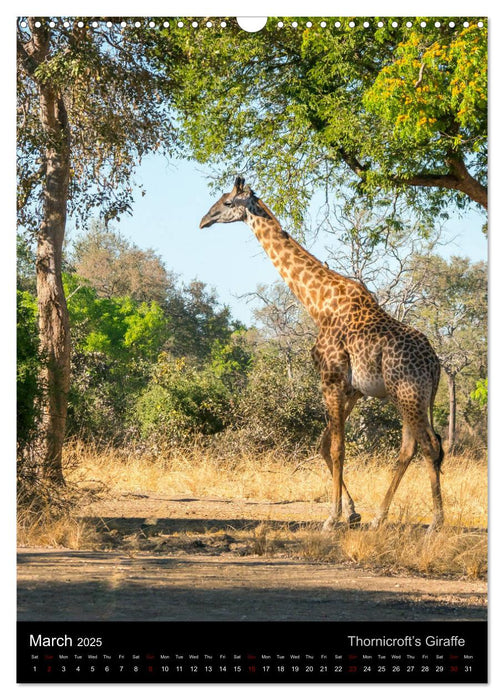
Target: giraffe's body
(360, 351)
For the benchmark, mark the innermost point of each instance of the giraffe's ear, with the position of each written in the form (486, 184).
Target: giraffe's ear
(241, 195)
(238, 185)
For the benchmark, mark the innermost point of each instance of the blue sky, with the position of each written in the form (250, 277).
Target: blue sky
(228, 257)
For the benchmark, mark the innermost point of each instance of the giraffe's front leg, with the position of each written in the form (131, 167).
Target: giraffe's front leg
(348, 512)
(348, 507)
(336, 429)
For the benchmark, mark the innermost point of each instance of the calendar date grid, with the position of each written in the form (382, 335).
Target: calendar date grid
(250, 664)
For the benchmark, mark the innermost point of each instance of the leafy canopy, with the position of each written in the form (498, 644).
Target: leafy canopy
(433, 100)
(118, 109)
(400, 108)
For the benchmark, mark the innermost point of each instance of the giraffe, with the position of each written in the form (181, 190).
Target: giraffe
(360, 351)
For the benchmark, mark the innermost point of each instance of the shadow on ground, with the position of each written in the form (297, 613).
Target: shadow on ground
(64, 585)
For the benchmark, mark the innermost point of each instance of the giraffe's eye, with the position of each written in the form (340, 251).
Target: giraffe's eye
(228, 203)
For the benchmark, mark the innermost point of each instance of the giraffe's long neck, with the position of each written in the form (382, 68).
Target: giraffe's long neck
(306, 276)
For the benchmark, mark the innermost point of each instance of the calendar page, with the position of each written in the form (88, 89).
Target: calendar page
(252, 349)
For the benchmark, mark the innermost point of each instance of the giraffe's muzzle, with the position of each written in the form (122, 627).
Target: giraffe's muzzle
(206, 221)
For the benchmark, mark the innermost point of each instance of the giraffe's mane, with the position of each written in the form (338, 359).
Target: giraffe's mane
(296, 244)
(293, 240)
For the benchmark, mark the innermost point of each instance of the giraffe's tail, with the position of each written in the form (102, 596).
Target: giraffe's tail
(439, 460)
(441, 454)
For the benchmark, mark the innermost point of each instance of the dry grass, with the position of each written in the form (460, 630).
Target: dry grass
(269, 478)
(49, 531)
(393, 549)
(197, 473)
(45, 518)
(401, 545)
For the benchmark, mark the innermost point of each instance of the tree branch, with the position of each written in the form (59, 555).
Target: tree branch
(420, 75)
(353, 163)
(27, 60)
(458, 178)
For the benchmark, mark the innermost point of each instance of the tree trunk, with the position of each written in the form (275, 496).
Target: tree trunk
(453, 412)
(53, 314)
(52, 309)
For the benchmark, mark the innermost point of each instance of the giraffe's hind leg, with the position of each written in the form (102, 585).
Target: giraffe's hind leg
(406, 453)
(432, 450)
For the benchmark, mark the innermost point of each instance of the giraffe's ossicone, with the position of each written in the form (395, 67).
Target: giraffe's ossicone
(360, 351)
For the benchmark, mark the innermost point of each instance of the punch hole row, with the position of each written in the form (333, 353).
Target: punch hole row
(352, 24)
(222, 24)
(136, 24)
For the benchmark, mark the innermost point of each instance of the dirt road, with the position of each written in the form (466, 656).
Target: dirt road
(182, 558)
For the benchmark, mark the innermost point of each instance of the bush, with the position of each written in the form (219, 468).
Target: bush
(373, 426)
(231, 360)
(102, 395)
(28, 368)
(181, 403)
(281, 406)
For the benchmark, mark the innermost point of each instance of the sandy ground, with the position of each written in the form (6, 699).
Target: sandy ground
(181, 558)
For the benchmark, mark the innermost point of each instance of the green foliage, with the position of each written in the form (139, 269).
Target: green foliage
(120, 328)
(146, 329)
(480, 393)
(373, 426)
(197, 320)
(28, 367)
(281, 407)
(433, 96)
(101, 392)
(115, 341)
(440, 415)
(292, 110)
(118, 109)
(231, 360)
(181, 403)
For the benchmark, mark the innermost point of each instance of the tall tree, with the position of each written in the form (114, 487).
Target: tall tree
(379, 247)
(54, 131)
(197, 320)
(453, 311)
(402, 108)
(284, 323)
(89, 108)
(115, 267)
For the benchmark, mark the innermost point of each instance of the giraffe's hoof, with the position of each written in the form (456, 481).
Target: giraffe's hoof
(354, 519)
(331, 524)
(377, 522)
(435, 526)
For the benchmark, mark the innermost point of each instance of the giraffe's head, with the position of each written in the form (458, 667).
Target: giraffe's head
(230, 207)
